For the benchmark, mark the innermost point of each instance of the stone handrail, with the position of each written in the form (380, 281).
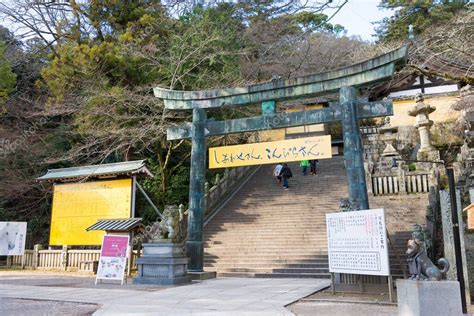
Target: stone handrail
(223, 186)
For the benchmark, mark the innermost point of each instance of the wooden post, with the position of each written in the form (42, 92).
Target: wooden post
(130, 255)
(390, 288)
(64, 257)
(36, 250)
(23, 260)
(9, 261)
(134, 196)
(333, 286)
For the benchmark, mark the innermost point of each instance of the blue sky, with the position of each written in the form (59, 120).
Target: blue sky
(356, 16)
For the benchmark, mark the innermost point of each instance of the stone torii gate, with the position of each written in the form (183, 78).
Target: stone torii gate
(348, 110)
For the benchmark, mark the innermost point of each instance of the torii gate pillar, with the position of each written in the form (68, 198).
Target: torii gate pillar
(194, 244)
(353, 149)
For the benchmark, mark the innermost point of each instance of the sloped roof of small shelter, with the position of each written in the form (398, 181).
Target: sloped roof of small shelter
(117, 224)
(127, 168)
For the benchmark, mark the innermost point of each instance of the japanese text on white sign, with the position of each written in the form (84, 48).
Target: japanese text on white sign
(357, 242)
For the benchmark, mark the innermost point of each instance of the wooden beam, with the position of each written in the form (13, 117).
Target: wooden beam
(283, 120)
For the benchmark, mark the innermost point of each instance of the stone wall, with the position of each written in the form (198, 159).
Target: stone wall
(402, 211)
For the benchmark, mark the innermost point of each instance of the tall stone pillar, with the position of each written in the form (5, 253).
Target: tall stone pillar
(194, 244)
(353, 149)
(423, 123)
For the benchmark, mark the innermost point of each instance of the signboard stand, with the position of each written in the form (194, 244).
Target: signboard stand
(358, 244)
(390, 288)
(13, 239)
(113, 258)
(389, 283)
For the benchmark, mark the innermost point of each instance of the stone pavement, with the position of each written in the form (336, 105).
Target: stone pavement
(222, 296)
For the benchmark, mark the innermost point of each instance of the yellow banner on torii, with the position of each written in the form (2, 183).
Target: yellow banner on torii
(318, 147)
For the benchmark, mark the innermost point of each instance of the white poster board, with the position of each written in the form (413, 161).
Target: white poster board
(113, 258)
(357, 242)
(12, 238)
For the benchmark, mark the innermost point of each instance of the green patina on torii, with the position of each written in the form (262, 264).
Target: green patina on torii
(348, 110)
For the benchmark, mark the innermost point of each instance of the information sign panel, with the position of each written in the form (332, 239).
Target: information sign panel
(12, 238)
(113, 258)
(77, 206)
(357, 242)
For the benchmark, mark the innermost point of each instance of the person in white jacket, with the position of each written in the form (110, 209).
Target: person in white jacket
(276, 172)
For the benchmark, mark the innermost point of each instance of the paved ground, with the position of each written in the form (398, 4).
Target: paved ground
(42, 293)
(222, 296)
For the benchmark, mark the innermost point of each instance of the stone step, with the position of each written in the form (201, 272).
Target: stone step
(269, 232)
(267, 261)
(275, 265)
(294, 275)
(301, 270)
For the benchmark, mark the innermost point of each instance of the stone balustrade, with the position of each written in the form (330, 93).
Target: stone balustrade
(224, 186)
(401, 182)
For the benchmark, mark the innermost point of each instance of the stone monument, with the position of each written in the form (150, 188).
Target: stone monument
(164, 261)
(423, 123)
(424, 293)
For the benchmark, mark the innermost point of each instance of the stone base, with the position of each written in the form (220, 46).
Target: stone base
(427, 298)
(162, 281)
(162, 263)
(205, 275)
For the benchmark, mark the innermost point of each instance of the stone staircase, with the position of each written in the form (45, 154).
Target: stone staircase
(265, 231)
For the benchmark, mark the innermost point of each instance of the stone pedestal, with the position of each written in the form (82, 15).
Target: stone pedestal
(427, 298)
(162, 263)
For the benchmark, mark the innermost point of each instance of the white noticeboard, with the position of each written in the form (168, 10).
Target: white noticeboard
(357, 242)
(12, 238)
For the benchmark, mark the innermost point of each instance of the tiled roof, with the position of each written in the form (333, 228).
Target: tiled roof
(122, 224)
(128, 168)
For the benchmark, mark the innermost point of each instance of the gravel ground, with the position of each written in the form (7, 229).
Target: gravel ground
(14, 306)
(71, 280)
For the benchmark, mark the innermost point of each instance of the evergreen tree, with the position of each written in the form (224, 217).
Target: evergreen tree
(7, 77)
(420, 14)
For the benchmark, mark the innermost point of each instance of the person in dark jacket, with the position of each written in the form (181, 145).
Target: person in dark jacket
(285, 173)
(313, 164)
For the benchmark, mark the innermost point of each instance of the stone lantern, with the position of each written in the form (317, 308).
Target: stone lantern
(389, 136)
(423, 123)
(389, 153)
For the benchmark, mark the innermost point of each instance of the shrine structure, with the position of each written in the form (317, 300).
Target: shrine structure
(350, 82)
